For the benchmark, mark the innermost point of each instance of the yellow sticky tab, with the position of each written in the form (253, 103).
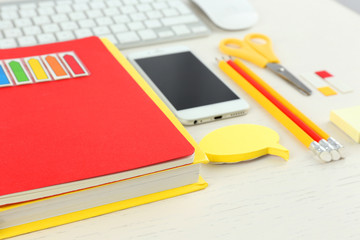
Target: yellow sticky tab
(242, 142)
(38, 69)
(327, 91)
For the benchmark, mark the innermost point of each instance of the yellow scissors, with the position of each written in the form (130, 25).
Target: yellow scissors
(261, 54)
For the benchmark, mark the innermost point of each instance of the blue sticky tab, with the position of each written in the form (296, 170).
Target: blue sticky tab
(3, 78)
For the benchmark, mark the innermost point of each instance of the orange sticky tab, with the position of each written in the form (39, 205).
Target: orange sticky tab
(55, 66)
(327, 91)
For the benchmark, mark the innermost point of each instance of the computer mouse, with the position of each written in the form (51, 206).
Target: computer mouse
(229, 14)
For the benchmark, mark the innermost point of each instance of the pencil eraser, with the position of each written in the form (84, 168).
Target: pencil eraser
(348, 120)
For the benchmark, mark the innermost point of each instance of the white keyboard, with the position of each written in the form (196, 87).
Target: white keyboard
(127, 23)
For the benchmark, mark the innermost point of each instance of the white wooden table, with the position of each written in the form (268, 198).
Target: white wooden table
(267, 198)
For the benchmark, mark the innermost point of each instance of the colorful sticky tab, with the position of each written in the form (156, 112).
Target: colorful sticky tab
(55, 66)
(73, 63)
(323, 74)
(37, 69)
(335, 82)
(4, 77)
(318, 83)
(18, 71)
(327, 91)
(43, 68)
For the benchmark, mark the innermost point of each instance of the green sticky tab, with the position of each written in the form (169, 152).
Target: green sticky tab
(19, 72)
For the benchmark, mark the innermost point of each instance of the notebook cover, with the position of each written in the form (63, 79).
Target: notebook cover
(200, 157)
(67, 130)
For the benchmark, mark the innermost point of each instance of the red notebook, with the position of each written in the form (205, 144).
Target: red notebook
(94, 122)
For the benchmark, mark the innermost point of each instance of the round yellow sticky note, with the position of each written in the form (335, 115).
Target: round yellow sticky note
(241, 143)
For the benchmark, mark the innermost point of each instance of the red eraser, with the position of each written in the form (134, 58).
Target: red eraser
(323, 74)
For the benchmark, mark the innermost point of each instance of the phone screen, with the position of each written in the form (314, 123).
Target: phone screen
(185, 81)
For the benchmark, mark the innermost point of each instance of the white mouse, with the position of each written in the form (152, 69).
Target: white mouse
(229, 14)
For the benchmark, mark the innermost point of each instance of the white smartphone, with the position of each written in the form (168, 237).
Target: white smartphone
(192, 92)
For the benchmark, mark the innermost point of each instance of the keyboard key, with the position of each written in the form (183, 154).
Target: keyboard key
(58, 18)
(170, 12)
(147, 34)
(94, 13)
(181, 29)
(50, 28)
(9, 15)
(121, 19)
(39, 20)
(137, 16)
(180, 6)
(88, 23)
(160, 5)
(65, 35)
(144, 7)
(97, 5)
(179, 20)
(113, 3)
(9, 8)
(77, 16)
(103, 21)
(61, 8)
(81, 7)
(46, 11)
(135, 26)
(68, 25)
(12, 33)
(7, 43)
(22, 22)
(28, 13)
(153, 24)
(32, 30)
(111, 12)
(127, 37)
(118, 28)
(101, 30)
(27, 41)
(128, 9)
(129, 2)
(46, 3)
(28, 6)
(154, 14)
(66, 2)
(46, 38)
(5, 24)
(81, 33)
(165, 34)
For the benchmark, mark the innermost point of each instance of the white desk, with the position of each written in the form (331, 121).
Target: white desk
(268, 198)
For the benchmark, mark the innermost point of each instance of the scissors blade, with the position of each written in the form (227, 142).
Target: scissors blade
(285, 74)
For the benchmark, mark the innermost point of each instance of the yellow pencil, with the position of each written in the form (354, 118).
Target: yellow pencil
(335, 144)
(274, 111)
(285, 102)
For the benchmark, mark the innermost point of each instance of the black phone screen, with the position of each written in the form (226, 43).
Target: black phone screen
(185, 81)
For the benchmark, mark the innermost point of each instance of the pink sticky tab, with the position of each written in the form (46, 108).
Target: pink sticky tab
(323, 74)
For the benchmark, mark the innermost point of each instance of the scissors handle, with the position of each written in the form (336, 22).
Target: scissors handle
(238, 48)
(264, 47)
